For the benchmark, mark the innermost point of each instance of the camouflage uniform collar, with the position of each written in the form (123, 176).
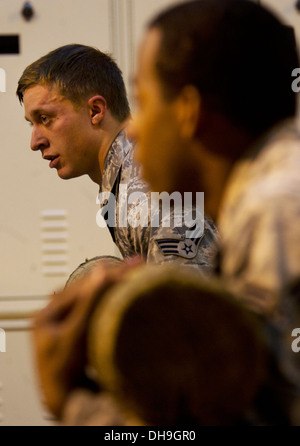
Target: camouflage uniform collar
(114, 161)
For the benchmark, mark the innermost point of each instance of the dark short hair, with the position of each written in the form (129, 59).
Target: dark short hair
(79, 71)
(239, 56)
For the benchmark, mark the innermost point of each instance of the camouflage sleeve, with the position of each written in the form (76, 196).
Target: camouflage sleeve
(264, 263)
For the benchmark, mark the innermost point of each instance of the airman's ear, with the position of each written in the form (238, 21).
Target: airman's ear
(97, 106)
(188, 110)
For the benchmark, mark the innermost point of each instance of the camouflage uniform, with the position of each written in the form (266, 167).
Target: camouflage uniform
(155, 244)
(260, 257)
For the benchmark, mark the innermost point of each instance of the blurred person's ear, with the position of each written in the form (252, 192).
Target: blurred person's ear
(189, 110)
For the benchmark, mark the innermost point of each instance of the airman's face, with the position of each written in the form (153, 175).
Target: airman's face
(62, 132)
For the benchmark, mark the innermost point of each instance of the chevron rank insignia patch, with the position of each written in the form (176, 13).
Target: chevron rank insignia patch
(186, 248)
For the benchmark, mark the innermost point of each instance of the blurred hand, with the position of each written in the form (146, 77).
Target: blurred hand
(60, 329)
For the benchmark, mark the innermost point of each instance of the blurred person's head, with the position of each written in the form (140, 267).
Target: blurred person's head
(173, 348)
(212, 76)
